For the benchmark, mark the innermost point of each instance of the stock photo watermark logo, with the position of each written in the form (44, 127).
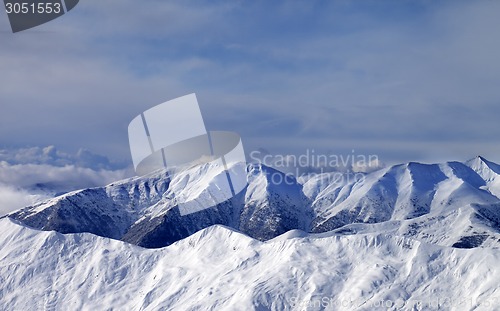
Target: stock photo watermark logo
(26, 14)
(332, 168)
(172, 136)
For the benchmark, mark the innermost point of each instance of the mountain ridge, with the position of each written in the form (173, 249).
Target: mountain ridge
(292, 271)
(452, 204)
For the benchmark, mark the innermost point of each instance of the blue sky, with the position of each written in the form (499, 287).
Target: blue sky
(406, 80)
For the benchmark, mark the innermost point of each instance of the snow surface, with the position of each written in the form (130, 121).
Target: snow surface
(220, 269)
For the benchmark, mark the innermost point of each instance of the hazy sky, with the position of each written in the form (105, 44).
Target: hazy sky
(406, 80)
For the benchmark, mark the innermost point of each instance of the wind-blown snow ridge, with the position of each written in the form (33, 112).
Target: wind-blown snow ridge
(219, 269)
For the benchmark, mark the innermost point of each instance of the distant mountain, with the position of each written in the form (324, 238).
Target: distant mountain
(106, 211)
(451, 204)
(142, 210)
(454, 204)
(219, 269)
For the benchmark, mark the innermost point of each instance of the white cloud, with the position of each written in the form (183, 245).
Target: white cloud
(50, 155)
(57, 178)
(367, 167)
(12, 199)
(29, 175)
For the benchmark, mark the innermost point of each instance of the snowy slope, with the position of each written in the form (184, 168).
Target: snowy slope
(107, 211)
(143, 210)
(263, 211)
(274, 204)
(447, 204)
(489, 172)
(219, 269)
(450, 204)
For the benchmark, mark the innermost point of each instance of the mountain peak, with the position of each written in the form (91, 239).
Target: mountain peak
(481, 164)
(216, 237)
(479, 159)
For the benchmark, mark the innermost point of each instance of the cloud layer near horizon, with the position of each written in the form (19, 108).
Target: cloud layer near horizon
(29, 175)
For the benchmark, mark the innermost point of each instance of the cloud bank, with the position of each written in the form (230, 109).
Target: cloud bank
(29, 175)
(12, 199)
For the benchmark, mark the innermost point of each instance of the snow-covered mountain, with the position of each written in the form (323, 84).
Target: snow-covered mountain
(450, 204)
(454, 204)
(143, 210)
(392, 240)
(220, 269)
